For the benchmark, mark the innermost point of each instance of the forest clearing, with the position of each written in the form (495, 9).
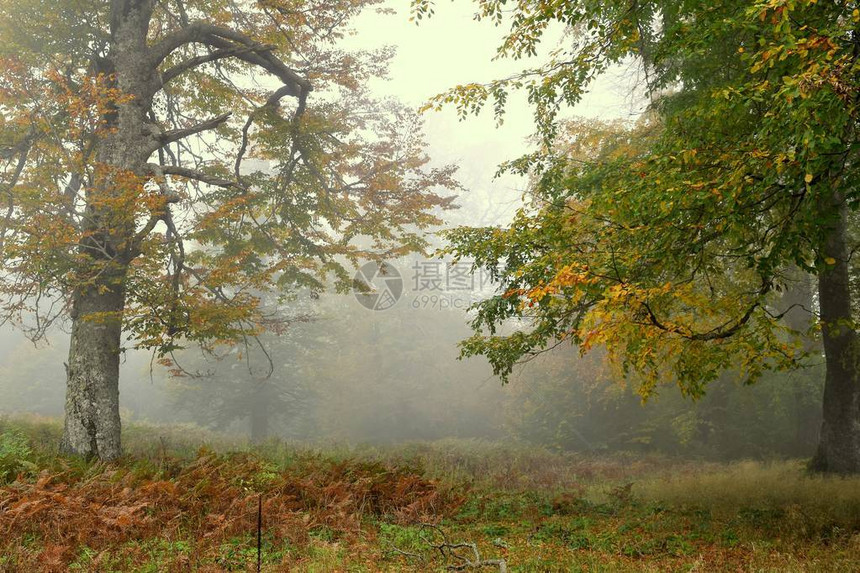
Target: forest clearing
(175, 505)
(427, 285)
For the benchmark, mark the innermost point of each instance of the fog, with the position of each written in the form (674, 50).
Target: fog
(342, 372)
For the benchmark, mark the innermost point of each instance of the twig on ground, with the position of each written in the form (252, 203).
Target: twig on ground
(453, 552)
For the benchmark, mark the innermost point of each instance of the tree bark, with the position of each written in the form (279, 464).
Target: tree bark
(92, 424)
(839, 441)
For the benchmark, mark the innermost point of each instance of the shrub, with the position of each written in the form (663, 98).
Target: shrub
(15, 456)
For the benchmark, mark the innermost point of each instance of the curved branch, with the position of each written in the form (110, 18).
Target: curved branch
(273, 102)
(223, 40)
(719, 333)
(726, 330)
(196, 61)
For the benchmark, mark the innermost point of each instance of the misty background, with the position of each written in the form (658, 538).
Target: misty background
(345, 373)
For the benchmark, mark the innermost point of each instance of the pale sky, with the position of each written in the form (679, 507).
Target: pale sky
(449, 49)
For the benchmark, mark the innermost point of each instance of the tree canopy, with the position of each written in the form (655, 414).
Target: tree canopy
(131, 201)
(203, 229)
(667, 239)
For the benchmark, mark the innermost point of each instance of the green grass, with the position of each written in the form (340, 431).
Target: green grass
(182, 501)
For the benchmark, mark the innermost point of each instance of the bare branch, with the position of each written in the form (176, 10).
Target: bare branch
(193, 174)
(169, 137)
(449, 551)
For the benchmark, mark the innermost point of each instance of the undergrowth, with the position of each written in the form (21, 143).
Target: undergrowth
(186, 500)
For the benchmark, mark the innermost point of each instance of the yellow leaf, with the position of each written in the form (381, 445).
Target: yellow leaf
(830, 260)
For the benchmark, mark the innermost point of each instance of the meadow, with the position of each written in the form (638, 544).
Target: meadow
(183, 499)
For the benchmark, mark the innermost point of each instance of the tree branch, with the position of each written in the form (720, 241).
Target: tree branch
(24, 152)
(169, 137)
(196, 61)
(726, 330)
(223, 40)
(192, 174)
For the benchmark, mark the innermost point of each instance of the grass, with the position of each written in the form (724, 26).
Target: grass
(185, 500)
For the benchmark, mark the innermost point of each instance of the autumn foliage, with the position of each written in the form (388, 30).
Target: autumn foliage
(215, 497)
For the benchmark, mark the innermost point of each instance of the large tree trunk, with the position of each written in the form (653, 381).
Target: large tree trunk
(92, 425)
(839, 442)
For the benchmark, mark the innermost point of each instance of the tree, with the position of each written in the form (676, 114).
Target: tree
(570, 402)
(230, 394)
(349, 374)
(668, 240)
(266, 389)
(393, 375)
(129, 206)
